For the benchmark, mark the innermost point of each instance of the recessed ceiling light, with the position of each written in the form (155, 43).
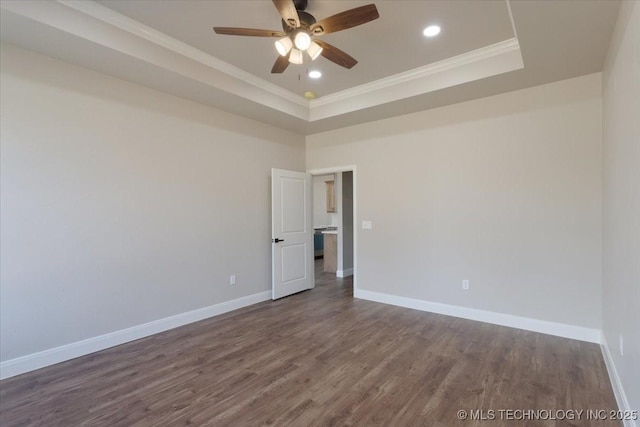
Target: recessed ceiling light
(431, 30)
(315, 74)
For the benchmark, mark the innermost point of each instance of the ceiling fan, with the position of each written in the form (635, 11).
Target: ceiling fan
(300, 31)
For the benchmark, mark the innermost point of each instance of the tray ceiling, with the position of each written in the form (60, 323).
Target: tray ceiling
(485, 48)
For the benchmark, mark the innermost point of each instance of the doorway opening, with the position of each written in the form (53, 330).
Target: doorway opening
(334, 223)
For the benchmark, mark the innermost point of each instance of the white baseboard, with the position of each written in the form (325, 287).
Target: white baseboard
(345, 273)
(535, 325)
(55, 355)
(616, 384)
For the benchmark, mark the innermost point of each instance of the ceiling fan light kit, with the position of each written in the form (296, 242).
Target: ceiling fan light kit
(284, 45)
(302, 40)
(301, 30)
(295, 57)
(314, 50)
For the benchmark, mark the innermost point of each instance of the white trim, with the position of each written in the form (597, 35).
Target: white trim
(485, 52)
(65, 352)
(616, 384)
(134, 27)
(447, 75)
(347, 168)
(123, 22)
(345, 273)
(513, 23)
(336, 169)
(110, 29)
(528, 324)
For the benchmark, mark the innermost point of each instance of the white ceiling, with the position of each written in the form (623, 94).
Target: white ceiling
(389, 45)
(485, 48)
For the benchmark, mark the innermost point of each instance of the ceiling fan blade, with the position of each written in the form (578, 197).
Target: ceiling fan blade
(281, 64)
(347, 19)
(288, 12)
(334, 54)
(253, 32)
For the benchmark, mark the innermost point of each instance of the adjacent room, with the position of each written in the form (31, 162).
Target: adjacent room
(319, 212)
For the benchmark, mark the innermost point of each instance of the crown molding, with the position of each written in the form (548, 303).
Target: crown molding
(466, 58)
(478, 64)
(104, 30)
(112, 30)
(152, 35)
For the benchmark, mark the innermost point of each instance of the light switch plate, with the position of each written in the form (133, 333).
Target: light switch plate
(367, 225)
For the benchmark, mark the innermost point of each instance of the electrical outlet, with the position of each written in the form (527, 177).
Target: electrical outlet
(621, 345)
(232, 279)
(465, 285)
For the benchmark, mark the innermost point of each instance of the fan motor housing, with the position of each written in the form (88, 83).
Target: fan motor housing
(306, 20)
(300, 4)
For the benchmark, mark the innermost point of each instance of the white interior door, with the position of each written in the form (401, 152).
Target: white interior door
(291, 233)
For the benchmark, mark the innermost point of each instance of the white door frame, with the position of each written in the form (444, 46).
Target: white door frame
(340, 169)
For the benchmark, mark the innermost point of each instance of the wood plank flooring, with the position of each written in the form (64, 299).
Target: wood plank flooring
(318, 358)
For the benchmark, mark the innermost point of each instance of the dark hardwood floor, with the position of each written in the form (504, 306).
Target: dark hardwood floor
(318, 358)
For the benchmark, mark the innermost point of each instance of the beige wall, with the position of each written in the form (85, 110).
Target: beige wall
(621, 107)
(122, 205)
(503, 191)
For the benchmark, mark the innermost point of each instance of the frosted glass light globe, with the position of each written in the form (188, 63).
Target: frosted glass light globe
(302, 40)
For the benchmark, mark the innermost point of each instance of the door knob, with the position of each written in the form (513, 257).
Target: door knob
(276, 240)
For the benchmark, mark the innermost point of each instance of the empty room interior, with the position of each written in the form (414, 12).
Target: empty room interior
(283, 212)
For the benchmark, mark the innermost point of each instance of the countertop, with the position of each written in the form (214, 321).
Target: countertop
(326, 229)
